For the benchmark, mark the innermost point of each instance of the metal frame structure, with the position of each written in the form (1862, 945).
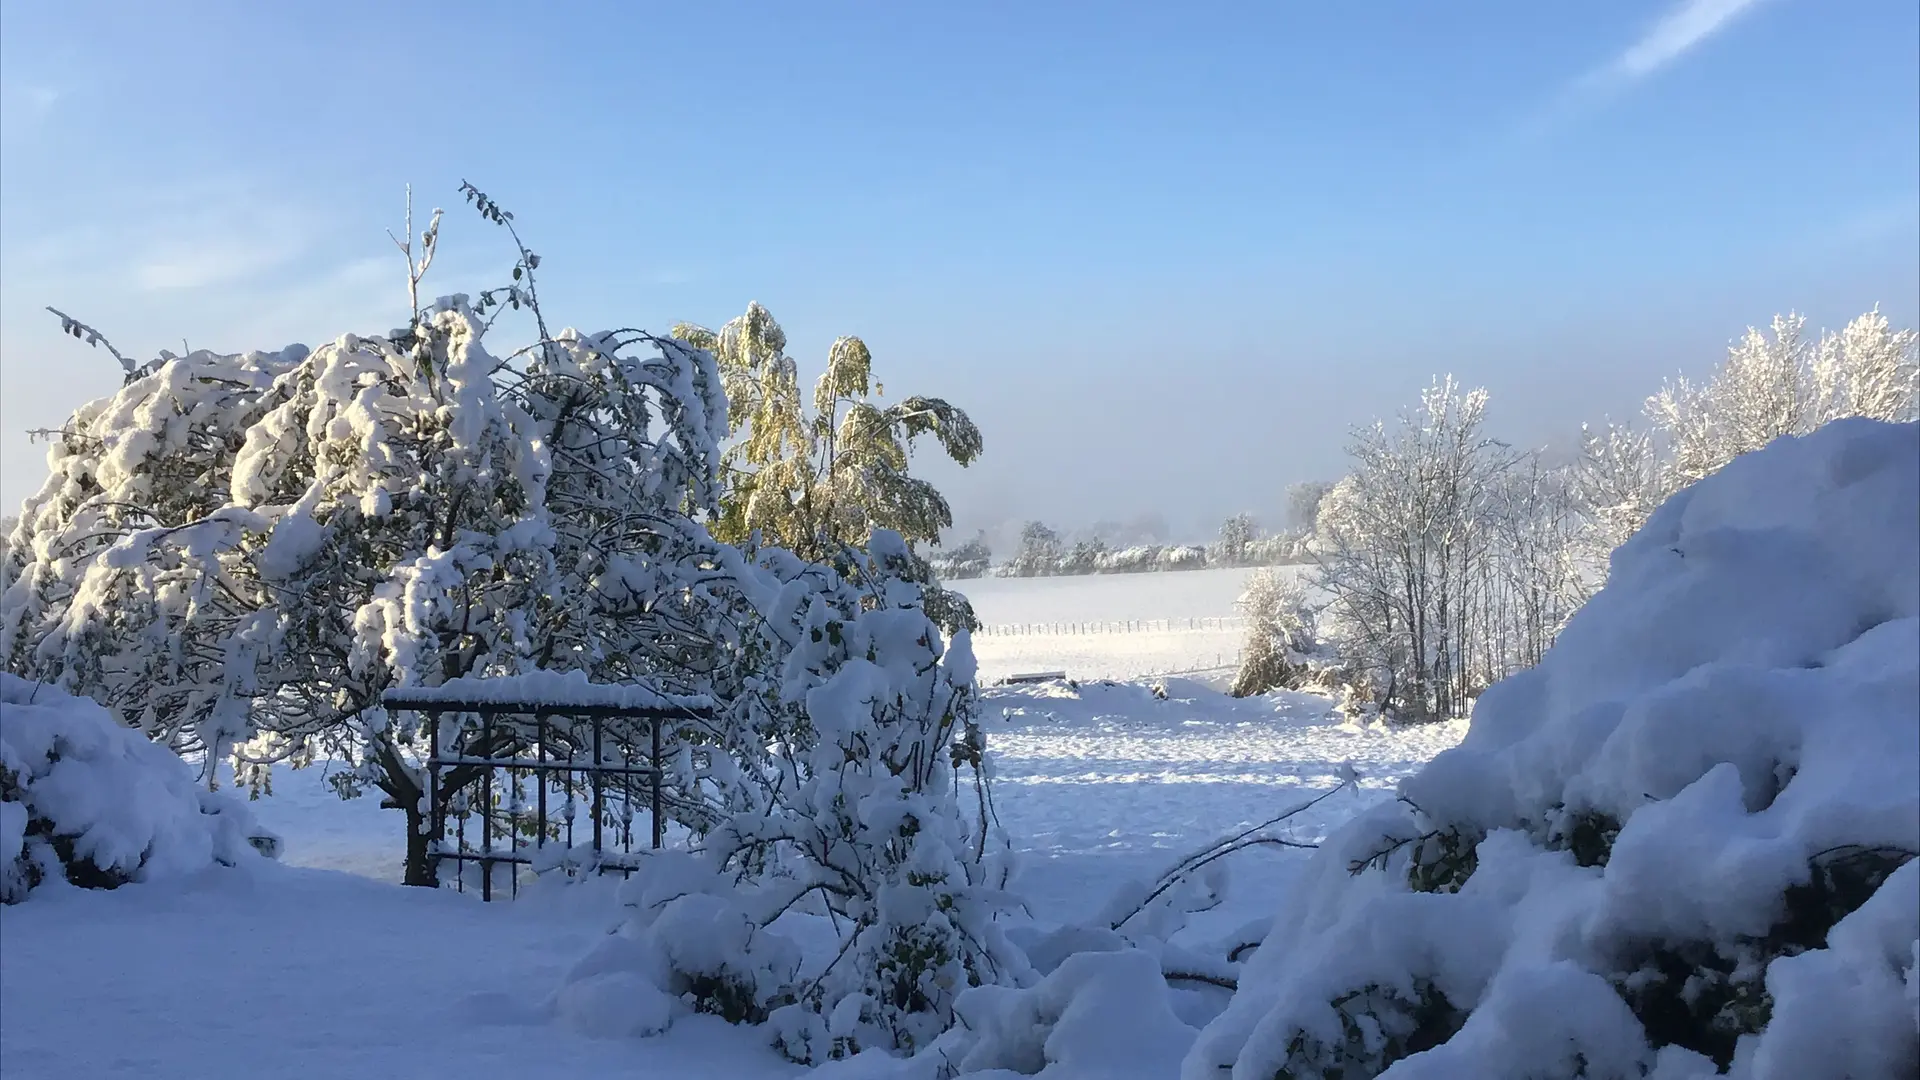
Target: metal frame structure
(560, 728)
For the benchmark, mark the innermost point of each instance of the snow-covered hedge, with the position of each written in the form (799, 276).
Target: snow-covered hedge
(1681, 846)
(87, 800)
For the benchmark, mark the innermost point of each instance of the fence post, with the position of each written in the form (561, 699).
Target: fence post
(659, 826)
(540, 778)
(436, 820)
(598, 807)
(486, 810)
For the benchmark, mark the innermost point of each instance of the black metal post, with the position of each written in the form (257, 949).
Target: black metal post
(436, 817)
(598, 806)
(486, 809)
(659, 821)
(540, 778)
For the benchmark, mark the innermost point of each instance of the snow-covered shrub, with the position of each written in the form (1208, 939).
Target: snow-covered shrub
(871, 717)
(1681, 846)
(1103, 1012)
(968, 560)
(1137, 559)
(89, 801)
(1283, 648)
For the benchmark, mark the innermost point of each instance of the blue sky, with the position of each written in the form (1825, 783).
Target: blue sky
(1165, 254)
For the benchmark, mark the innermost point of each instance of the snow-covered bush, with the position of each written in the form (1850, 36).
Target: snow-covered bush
(1283, 649)
(86, 800)
(1683, 845)
(871, 716)
(968, 560)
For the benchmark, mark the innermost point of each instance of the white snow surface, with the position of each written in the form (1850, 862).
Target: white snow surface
(1099, 787)
(1165, 594)
(130, 806)
(1173, 596)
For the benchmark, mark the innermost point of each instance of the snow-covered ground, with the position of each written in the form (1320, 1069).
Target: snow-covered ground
(1174, 596)
(1170, 594)
(325, 968)
(1107, 784)
(1588, 884)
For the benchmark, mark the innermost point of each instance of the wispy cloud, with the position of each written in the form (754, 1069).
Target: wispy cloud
(1681, 30)
(1684, 27)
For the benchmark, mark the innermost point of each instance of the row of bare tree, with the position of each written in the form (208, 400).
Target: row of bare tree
(1447, 559)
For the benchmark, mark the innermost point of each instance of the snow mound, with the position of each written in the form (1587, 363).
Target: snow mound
(1099, 1015)
(1681, 846)
(86, 800)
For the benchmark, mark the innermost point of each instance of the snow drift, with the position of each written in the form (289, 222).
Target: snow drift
(87, 800)
(1681, 846)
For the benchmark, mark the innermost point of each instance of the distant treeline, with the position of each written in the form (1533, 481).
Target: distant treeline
(1042, 552)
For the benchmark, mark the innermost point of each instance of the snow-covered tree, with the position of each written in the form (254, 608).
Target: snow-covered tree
(971, 559)
(1303, 504)
(1084, 557)
(1618, 482)
(1759, 393)
(815, 481)
(1785, 385)
(1039, 553)
(238, 554)
(1867, 369)
(1533, 577)
(1237, 535)
(1404, 541)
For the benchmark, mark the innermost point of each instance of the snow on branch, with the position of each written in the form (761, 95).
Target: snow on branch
(543, 691)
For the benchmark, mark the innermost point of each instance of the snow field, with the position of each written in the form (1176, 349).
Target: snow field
(1108, 784)
(1098, 788)
(1167, 596)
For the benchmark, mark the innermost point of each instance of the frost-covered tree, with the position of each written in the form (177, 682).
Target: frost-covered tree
(1759, 393)
(1784, 385)
(1085, 557)
(1237, 535)
(971, 559)
(1405, 538)
(1533, 578)
(1618, 482)
(1303, 504)
(1039, 553)
(815, 480)
(1867, 369)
